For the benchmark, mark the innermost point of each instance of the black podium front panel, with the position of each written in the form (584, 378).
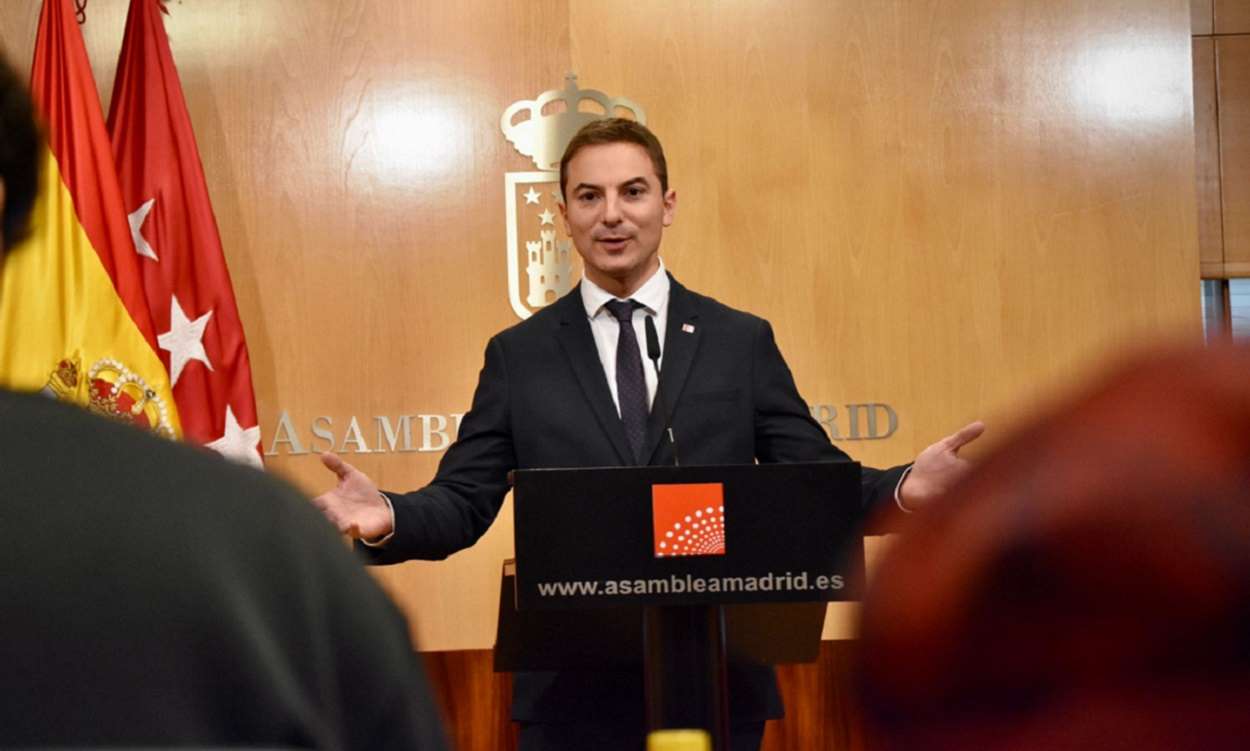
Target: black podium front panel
(589, 538)
(610, 638)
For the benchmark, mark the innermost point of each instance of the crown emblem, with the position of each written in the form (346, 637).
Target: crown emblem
(544, 134)
(112, 390)
(116, 392)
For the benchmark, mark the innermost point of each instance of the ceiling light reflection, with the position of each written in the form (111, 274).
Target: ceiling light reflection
(1134, 82)
(405, 138)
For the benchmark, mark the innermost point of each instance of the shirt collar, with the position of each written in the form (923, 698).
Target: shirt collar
(653, 294)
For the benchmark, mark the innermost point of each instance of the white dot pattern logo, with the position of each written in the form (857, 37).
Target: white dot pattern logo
(688, 519)
(700, 533)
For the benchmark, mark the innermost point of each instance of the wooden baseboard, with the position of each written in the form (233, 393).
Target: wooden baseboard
(819, 711)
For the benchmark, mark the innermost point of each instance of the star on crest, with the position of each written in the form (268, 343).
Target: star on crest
(531, 195)
(237, 443)
(184, 340)
(136, 219)
(547, 217)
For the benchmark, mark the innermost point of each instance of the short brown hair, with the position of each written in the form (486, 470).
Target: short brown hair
(616, 130)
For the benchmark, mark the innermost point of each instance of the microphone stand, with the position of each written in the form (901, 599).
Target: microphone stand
(653, 354)
(684, 665)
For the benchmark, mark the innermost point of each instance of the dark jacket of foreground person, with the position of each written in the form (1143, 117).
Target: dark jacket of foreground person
(154, 594)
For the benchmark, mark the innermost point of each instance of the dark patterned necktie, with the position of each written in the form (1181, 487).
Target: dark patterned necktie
(631, 385)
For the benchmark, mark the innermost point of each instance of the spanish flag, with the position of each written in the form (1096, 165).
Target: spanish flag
(73, 318)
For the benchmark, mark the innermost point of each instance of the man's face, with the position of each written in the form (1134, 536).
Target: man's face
(616, 213)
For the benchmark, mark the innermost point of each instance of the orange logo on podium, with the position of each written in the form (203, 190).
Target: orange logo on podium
(688, 519)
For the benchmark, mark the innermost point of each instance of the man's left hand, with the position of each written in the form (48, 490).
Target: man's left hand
(939, 467)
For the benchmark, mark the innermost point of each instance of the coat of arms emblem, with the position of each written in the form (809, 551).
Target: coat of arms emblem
(542, 264)
(111, 390)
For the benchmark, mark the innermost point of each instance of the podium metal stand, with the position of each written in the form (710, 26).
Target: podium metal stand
(600, 579)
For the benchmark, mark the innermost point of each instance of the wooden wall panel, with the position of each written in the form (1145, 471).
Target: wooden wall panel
(820, 707)
(925, 181)
(1232, 17)
(1201, 15)
(475, 700)
(1207, 159)
(1233, 65)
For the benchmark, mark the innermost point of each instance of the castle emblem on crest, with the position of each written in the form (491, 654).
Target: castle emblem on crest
(540, 254)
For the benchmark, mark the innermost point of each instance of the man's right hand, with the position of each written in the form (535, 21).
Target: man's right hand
(354, 506)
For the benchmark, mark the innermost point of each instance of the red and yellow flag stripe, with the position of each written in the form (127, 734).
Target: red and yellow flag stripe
(73, 318)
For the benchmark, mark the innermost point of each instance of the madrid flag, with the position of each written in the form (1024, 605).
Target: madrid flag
(185, 282)
(73, 319)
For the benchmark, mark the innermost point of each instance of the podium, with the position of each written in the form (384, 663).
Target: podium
(683, 569)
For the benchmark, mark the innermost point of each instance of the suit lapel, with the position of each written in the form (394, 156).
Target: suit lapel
(579, 345)
(681, 341)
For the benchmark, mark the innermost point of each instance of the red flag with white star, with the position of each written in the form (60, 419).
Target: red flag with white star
(186, 283)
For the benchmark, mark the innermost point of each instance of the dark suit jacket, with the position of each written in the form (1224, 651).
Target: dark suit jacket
(155, 595)
(543, 401)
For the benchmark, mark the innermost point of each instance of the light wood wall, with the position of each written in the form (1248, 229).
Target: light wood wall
(1221, 55)
(960, 208)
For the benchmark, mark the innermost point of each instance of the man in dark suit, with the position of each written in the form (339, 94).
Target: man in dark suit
(567, 388)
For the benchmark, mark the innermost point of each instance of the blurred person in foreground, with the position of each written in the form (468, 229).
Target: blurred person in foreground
(1088, 586)
(155, 594)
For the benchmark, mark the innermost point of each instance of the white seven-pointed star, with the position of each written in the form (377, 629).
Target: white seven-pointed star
(137, 218)
(184, 340)
(531, 195)
(547, 217)
(238, 443)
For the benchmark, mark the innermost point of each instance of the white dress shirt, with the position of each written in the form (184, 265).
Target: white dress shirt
(653, 295)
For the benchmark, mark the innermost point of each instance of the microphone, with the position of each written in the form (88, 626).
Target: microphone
(653, 354)
(653, 345)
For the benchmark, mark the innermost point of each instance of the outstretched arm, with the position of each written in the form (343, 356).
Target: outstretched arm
(450, 513)
(354, 505)
(939, 467)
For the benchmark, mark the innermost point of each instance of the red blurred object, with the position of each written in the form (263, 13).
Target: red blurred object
(1087, 587)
